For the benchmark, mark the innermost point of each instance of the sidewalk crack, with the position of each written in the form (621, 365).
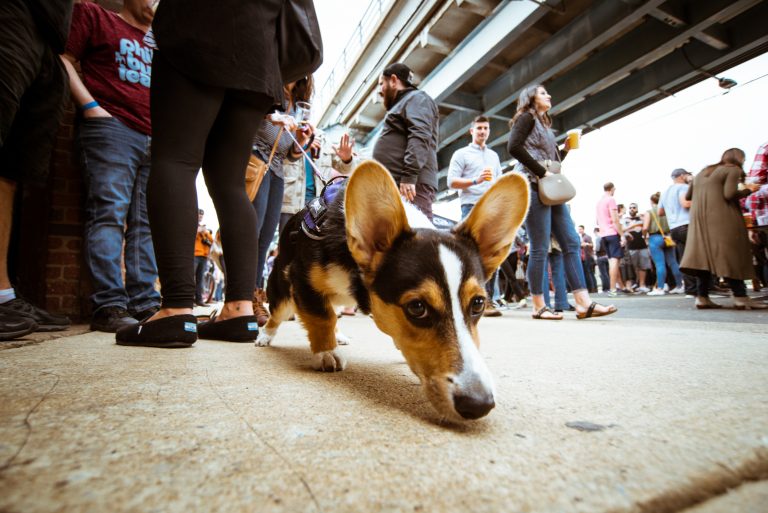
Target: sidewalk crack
(707, 486)
(10, 461)
(264, 441)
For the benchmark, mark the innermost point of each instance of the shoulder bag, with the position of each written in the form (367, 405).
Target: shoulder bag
(555, 189)
(299, 44)
(257, 169)
(668, 242)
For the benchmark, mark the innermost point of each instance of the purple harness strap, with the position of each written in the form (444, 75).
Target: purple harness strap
(315, 211)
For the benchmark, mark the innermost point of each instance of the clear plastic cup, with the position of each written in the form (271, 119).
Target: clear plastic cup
(574, 138)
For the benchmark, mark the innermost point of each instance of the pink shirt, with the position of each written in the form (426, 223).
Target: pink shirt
(604, 220)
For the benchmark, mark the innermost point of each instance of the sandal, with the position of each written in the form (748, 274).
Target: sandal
(544, 310)
(592, 313)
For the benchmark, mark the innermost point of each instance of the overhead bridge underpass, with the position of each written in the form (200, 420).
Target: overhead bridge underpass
(599, 59)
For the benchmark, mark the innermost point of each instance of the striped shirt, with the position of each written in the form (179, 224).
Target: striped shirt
(263, 142)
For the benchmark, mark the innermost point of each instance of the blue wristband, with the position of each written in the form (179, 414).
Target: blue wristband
(90, 105)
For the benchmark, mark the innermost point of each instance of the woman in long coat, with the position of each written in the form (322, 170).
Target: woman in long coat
(717, 237)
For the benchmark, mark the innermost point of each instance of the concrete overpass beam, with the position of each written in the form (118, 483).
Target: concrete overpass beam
(463, 101)
(670, 74)
(644, 45)
(715, 36)
(492, 36)
(434, 43)
(582, 36)
(476, 6)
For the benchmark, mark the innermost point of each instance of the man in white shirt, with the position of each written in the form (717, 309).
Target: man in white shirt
(475, 167)
(472, 171)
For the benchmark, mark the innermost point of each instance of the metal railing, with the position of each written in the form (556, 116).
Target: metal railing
(362, 32)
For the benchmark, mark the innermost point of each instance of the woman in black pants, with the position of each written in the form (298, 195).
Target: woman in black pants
(215, 76)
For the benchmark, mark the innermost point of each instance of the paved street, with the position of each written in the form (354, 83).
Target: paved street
(660, 408)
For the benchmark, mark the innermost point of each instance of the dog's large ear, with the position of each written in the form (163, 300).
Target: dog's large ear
(375, 216)
(495, 219)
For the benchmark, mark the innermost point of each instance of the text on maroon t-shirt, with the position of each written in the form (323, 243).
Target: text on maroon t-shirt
(116, 64)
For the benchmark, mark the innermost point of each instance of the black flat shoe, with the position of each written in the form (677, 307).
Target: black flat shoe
(237, 329)
(169, 332)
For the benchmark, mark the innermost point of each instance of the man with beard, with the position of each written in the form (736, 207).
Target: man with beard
(407, 146)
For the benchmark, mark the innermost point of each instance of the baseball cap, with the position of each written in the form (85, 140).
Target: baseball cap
(401, 71)
(679, 172)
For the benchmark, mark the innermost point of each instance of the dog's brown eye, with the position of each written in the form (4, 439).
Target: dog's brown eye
(416, 309)
(478, 305)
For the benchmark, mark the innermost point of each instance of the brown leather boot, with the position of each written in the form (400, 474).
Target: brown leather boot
(259, 310)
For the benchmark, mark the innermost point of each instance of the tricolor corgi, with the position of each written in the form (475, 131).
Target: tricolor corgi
(424, 287)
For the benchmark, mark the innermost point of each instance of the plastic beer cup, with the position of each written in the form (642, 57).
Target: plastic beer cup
(574, 138)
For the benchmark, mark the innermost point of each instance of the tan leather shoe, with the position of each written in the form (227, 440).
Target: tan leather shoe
(704, 303)
(746, 303)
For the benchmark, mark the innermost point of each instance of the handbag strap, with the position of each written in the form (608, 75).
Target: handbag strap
(658, 224)
(274, 146)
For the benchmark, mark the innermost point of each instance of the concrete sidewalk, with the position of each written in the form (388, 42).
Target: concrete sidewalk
(680, 408)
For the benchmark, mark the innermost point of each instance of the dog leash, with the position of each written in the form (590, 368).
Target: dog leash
(309, 159)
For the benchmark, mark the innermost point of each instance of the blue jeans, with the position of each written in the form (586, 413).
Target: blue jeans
(543, 222)
(664, 256)
(492, 285)
(603, 266)
(201, 267)
(558, 280)
(116, 166)
(588, 265)
(268, 202)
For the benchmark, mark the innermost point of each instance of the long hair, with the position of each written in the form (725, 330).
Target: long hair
(302, 91)
(731, 157)
(527, 103)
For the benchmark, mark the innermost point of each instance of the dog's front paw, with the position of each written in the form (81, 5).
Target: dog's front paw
(328, 361)
(342, 339)
(263, 340)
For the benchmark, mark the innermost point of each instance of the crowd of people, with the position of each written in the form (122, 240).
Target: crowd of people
(694, 238)
(165, 89)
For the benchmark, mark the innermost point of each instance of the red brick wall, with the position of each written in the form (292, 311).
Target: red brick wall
(55, 275)
(67, 279)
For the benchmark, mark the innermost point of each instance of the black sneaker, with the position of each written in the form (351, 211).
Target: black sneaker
(111, 318)
(13, 326)
(45, 321)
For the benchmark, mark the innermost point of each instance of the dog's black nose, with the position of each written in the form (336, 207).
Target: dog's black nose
(473, 406)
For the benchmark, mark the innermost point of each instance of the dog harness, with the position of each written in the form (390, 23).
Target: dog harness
(314, 213)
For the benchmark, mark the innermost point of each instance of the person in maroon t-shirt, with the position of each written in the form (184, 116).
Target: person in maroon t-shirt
(115, 134)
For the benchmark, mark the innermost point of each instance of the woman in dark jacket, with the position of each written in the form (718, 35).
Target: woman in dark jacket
(215, 75)
(530, 141)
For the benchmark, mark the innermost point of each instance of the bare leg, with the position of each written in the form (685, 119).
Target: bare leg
(538, 304)
(615, 275)
(641, 277)
(7, 192)
(583, 301)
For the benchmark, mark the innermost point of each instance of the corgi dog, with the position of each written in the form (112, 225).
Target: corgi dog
(425, 288)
